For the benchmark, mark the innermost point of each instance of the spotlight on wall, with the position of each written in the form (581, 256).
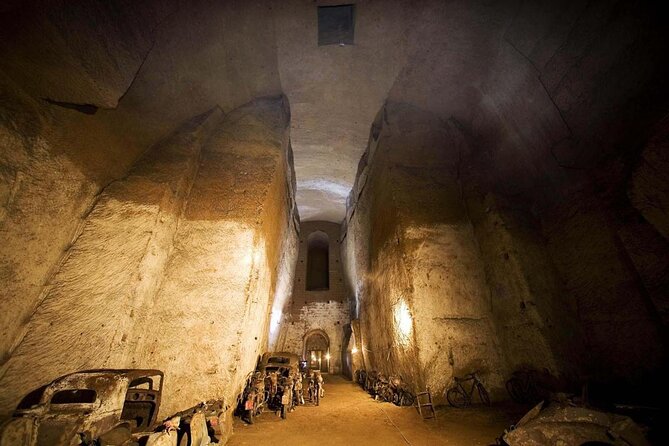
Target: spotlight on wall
(354, 350)
(403, 322)
(327, 356)
(276, 318)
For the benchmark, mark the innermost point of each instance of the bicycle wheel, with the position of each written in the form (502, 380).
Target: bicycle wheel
(387, 394)
(457, 398)
(483, 394)
(407, 399)
(515, 388)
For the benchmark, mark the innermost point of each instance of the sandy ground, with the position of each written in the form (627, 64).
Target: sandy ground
(349, 416)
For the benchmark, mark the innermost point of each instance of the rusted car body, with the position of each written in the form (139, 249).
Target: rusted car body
(104, 405)
(566, 424)
(279, 362)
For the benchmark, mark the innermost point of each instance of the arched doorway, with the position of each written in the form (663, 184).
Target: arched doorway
(317, 350)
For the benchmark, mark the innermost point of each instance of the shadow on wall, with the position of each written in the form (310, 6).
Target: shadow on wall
(189, 243)
(318, 263)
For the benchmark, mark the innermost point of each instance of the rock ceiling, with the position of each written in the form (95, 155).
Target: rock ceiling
(334, 92)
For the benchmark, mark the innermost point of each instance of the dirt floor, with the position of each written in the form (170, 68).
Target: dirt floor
(349, 416)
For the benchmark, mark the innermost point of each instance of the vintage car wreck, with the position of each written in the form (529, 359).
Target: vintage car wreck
(279, 361)
(563, 423)
(103, 406)
(271, 385)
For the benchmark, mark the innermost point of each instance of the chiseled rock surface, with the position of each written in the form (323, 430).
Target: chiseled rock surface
(210, 318)
(43, 198)
(148, 67)
(423, 305)
(649, 187)
(87, 317)
(537, 323)
(175, 266)
(78, 52)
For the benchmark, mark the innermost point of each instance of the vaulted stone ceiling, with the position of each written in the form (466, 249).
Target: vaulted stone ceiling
(335, 92)
(490, 68)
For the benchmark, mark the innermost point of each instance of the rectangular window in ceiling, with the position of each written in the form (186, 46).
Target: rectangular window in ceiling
(335, 25)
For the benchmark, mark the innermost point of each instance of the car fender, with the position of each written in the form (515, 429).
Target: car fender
(198, 430)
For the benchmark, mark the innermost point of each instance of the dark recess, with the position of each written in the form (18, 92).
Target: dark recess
(318, 265)
(336, 24)
(88, 109)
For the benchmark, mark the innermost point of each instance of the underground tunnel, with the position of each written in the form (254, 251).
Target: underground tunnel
(383, 222)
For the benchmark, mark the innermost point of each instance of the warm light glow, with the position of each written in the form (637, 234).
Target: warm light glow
(354, 350)
(327, 356)
(403, 322)
(313, 357)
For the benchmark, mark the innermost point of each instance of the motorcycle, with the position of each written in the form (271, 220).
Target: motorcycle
(370, 381)
(253, 398)
(401, 393)
(361, 377)
(316, 391)
(280, 396)
(298, 394)
(382, 388)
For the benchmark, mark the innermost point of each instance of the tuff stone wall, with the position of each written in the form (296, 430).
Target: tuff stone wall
(85, 90)
(537, 324)
(330, 317)
(541, 146)
(150, 281)
(649, 187)
(621, 327)
(493, 282)
(411, 253)
(326, 310)
(44, 196)
(337, 289)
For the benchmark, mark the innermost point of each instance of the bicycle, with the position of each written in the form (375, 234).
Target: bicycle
(401, 394)
(361, 375)
(529, 386)
(458, 396)
(382, 388)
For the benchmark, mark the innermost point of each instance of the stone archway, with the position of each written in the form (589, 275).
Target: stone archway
(316, 349)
